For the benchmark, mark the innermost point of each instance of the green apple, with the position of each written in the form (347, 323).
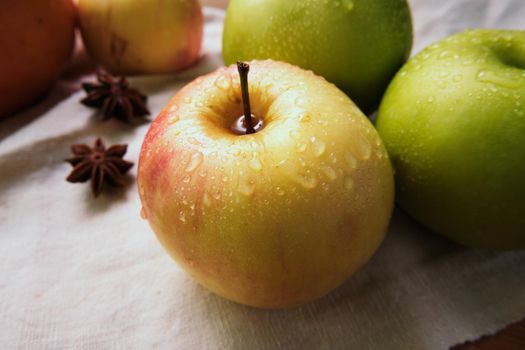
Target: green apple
(453, 121)
(141, 37)
(277, 217)
(356, 44)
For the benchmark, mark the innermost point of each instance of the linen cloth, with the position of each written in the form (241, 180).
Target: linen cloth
(79, 272)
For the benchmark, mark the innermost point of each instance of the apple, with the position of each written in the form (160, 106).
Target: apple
(130, 37)
(272, 218)
(453, 121)
(356, 44)
(36, 41)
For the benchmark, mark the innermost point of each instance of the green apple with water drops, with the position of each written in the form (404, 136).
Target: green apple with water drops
(277, 217)
(356, 44)
(453, 121)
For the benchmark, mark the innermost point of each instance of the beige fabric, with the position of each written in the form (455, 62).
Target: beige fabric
(78, 272)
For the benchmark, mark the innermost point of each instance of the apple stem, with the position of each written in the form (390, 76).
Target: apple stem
(243, 69)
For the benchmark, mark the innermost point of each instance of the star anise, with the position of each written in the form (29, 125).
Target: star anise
(99, 164)
(115, 97)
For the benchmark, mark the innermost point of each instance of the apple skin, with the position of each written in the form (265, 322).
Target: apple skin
(356, 44)
(131, 37)
(453, 121)
(276, 218)
(36, 40)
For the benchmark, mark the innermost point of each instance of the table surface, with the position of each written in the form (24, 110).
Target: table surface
(106, 283)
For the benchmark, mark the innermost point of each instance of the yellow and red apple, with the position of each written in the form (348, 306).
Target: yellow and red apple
(141, 37)
(278, 217)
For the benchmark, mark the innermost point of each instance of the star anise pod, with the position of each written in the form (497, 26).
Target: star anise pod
(115, 97)
(99, 164)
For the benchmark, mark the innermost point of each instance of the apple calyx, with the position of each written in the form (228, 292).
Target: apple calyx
(246, 123)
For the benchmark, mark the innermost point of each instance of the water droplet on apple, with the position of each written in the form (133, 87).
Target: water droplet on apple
(487, 76)
(333, 158)
(267, 83)
(255, 163)
(430, 99)
(280, 191)
(329, 172)
(351, 161)
(195, 161)
(173, 119)
(223, 82)
(194, 141)
(206, 199)
(306, 180)
(143, 213)
(348, 5)
(186, 179)
(236, 152)
(302, 162)
(246, 186)
(349, 183)
(444, 54)
(318, 146)
(301, 147)
(301, 101)
(363, 148)
(467, 62)
(476, 40)
(182, 216)
(304, 118)
(295, 134)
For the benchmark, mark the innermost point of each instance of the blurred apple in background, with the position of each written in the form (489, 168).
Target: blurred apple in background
(278, 217)
(142, 37)
(36, 40)
(356, 44)
(453, 121)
